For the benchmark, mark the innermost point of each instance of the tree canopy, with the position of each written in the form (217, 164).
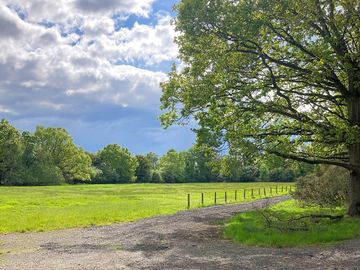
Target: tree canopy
(116, 165)
(10, 152)
(143, 169)
(49, 156)
(283, 76)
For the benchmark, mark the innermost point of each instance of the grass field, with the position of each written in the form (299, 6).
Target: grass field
(250, 228)
(25, 209)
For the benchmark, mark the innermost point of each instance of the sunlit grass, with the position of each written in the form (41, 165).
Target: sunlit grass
(250, 228)
(25, 209)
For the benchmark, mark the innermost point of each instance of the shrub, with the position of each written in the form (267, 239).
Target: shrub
(328, 186)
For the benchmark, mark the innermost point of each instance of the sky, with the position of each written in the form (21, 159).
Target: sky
(90, 66)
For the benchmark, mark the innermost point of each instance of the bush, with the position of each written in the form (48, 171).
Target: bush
(328, 186)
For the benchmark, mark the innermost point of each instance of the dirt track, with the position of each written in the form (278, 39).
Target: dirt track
(186, 240)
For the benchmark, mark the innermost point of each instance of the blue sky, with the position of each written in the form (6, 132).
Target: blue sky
(92, 67)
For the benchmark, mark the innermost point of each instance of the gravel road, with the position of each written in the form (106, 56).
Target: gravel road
(186, 240)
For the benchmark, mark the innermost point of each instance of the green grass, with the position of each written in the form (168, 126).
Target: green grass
(250, 228)
(25, 209)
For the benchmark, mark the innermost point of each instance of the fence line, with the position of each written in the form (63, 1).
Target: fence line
(283, 190)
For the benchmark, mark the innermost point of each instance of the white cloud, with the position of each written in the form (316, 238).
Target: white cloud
(154, 44)
(58, 57)
(66, 11)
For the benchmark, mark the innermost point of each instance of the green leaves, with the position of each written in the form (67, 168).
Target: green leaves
(58, 149)
(116, 165)
(275, 74)
(48, 156)
(10, 152)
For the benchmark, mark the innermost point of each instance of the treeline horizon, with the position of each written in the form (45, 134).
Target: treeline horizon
(49, 156)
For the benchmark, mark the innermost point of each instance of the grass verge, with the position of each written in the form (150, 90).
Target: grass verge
(251, 228)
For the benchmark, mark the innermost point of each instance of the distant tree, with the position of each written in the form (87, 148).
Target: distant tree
(198, 164)
(116, 165)
(230, 167)
(282, 175)
(249, 174)
(57, 148)
(156, 177)
(36, 168)
(172, 167)
(143, 169)
(154, 160)
(10, 153)
(275, 168)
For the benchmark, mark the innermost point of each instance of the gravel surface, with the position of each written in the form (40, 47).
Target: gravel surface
(186, 240)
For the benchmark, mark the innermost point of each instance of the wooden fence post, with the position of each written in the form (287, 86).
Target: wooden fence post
(235, 195)
(265, 192)
(202, 199)
(259, 192)
(225, 197)
(215, 198)
(276, 187)
(188, 197)
(244, 193)
(252, 193)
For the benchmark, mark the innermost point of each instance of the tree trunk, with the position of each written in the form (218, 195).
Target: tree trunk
(354, 155)
(354, 204)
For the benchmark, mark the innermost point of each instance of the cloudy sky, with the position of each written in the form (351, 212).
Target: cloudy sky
(91, 66)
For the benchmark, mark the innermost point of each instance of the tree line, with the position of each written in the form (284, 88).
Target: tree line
(49, 156)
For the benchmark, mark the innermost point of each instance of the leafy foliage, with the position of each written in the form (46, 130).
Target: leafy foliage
(281, 175)
(246, 63)
(143, 169)
(49, 157)
(116, 165)
(156, 177)
(328, 186)
(279, 76)
(57, 148)
(172, 166)
(10, 152)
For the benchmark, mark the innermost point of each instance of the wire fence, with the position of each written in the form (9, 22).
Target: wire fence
(195, 200)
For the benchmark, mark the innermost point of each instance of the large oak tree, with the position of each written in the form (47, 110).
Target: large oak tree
(282, 75)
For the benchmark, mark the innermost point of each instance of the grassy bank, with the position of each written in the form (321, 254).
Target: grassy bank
(47, 208)
(251, 228)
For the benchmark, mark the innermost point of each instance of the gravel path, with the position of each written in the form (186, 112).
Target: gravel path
(186, 240)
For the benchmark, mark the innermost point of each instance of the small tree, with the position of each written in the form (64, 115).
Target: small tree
(172, 167)
(116, 165)
(143, 170)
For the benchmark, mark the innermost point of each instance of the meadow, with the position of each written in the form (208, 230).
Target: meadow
(24, 209)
